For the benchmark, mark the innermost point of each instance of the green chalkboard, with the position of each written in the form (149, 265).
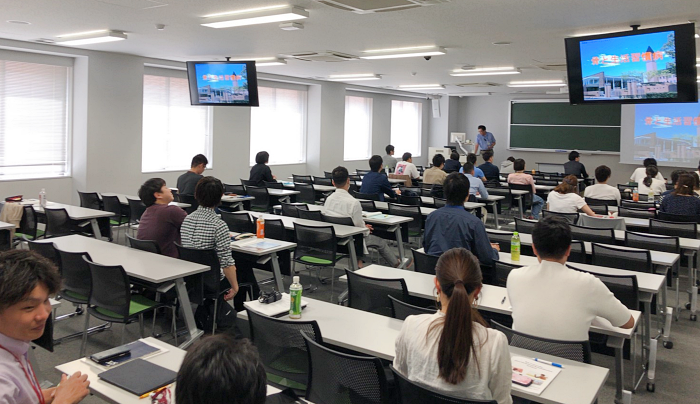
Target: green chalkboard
(561, 126)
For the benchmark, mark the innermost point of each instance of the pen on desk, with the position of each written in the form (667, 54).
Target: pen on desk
(549, 363)
(158, 390)
(504, 300)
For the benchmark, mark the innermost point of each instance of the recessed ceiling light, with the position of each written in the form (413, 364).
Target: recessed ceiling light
(484, 71)
(261, 15)
(354, 77)
(19, 22)
(248, 10)
(504, 43)
(537, 83)
(422, 87)
(91, 37)
(413, 51)
(97, 31)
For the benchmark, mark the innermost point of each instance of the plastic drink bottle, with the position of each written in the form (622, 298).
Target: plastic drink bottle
(295, 290)
(635, 195)
(515, 247)
(260, 230)
(650, 196)
(42, 198)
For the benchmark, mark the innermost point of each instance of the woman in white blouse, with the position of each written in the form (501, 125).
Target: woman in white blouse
(452, 350)
(651, 183)
(565, 198)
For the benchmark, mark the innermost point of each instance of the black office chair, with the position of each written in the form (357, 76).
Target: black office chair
(439, 202)
(670, 217)
(572, 218)
(328, 174)
(90, 200)
(597, 202)
(274, 229)
(5, 240)
(118, 219)
(600, 209)
(424, 263)
(58, 223)
(371, 294)
(527, 198)
(502, 270)
(28, 225)
(292, 209)
(136, 209)
(579, 351)
(413, 393)
(303, 179)
(638, 260)
(235, 189)
(188, 199)
(400, 310)
(409, 200)
(311, 215)
(578, 252)
(307, 194)
(282, 348)
(46, 250)
(624, 287)
(502, 237)
(238, 222)
(524, 226)
(593, 234)
(323, 181)
(317, 247)
(273, 185)
(638, 213)
(250, 183)
(261, 203)
(686, 230)
(414, 228)
(368, 206)
(638, 205)
(369, 197)
(143, 245)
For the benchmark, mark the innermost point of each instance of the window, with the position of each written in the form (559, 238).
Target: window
(406, 127)
(358, 128)
(173, 130)
(34, 120)
(278, 125)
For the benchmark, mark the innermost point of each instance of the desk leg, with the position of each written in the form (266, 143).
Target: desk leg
(96, 228)
(651, 345)
(399, 241)
(494, 206)
(187, 314)
(665, 316)
(353, 254)
(693, 297)
(622, 396)
(276, 272)
(520, 205)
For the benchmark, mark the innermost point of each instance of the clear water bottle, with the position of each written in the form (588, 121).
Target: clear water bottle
(42, 197)
(650, 196)
(295, 290)
(515, 247)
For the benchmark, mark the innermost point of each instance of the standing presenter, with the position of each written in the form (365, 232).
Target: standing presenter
(484, 140)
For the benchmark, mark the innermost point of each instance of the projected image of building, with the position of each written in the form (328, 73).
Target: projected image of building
(678, 148)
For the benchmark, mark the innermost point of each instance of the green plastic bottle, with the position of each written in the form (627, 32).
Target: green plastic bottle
(295, 290)
(515, 247)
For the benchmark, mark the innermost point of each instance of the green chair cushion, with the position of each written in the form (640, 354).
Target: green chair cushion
(27, 236)
(138, 305)
(315, 261)
(124, 220)
(414, 233)
(74, 295)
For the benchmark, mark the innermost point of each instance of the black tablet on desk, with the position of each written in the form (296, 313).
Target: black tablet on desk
(139, 377)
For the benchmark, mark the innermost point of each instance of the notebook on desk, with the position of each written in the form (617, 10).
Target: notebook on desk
(139, 377)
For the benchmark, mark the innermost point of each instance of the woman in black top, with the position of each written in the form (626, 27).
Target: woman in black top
(260, 172)
(682, 201)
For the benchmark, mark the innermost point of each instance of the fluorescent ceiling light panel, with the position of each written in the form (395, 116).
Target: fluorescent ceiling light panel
(262, 15)
(354, 77)
(537, 83)
(464, 73)
(91, 37)
(409, 52)
(469, 94)
(269, 62)
(422, 87)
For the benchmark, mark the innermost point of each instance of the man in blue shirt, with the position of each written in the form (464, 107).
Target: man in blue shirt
(471, 158)
(476, 186)
(484, 140)
(490, 170)
(376, 183)
(452, 226)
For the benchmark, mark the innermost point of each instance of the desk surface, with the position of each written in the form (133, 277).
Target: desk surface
(139, 264)
(239, 246)
(428, 200)
(236, 198)
(386, 220)
(123, 199)
(340, 230)
(317, 187)
(74, 212)
(6, 226)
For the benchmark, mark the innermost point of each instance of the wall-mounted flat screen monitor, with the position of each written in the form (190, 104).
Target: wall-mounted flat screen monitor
(223, 83)
(639, 66)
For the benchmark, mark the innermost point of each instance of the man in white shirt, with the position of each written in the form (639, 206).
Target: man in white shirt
(406, 167)
(601, 190)
(553, 301)
(640, 173)
(341, 203)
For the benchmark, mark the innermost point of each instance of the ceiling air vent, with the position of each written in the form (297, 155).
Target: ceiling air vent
(324, 56)
(557, 65)
(484, 84)
(376, 6)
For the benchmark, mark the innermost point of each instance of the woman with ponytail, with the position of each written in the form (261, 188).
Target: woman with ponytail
(650, 182)
(452, 350)
(682, 201)
(564, 198)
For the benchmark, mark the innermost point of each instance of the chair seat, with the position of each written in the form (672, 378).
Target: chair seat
(74, 297)
(317, 261)
(258, 209)
(39, 233)
(414, 233)
(124, 220)
(138, 305)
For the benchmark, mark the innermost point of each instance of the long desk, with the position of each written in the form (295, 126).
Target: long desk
(74, 212)
(143, 265)
(6, 226)
(491, 200)
(264, 255)
(236, 201)
(123, 199)
(318, 188)
(375, 335)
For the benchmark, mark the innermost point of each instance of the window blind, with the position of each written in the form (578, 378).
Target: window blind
(358, 128)
(406, 127)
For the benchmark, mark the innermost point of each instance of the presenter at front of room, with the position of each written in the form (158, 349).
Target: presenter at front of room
(484, 140)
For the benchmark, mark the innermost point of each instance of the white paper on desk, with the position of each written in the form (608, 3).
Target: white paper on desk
(540, 373)
(273, 309)
(257, 245)
(371, 214)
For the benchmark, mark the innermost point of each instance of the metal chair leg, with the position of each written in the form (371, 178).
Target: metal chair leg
(174, 326)
(213, 327)
(141, 327)
(83, 345)
(123, 333)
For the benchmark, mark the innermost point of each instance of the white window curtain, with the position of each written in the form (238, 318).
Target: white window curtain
(278, 125)
(358, 128)
(406, 127)
(34, 120)
(173, 130)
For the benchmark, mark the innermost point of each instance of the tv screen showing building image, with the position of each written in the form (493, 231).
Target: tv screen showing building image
(223, 83)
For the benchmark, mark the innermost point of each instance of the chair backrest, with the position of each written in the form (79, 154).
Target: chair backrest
(261, 203)
(502, 271)
(316, 245)
(654, 242)
(306, 193)
(137, 207)
(143, 245)
(316, 215)
(362, 172)
(90, 200)
(248, 183)
(344, 220)
(46, 250)
(501, 237)
(579, 351)
(238, 222)
(401, 310)
(235, 189)
(599, 209)
(412, 393)
(670, 217)
(28, 223)
(110, 288)
(58, 222)
(638, 205)
(637, 260)
(304, 179)
(413, 212)
(686, 230)
(423, 262)
(75, 274)
(328, 174)
(371, 294)
(410, 200)
(205, 285)
(336, 377)
(578, 252)
(521, 187)
(368, 206)
(274, 228)
(596, 202)
(323, 181)
(111, 204)
(292, 209)
(440, 202)
(593, 234)
(273, 184)
(638, 213)
(369, 197)
(549, 182)
(184, 198)
(624, 287)
(280, 344)
(570, 217)
(524, 226)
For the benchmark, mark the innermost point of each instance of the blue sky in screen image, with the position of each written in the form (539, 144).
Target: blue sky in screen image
(660, 111)
(219, 69)
(621, 46)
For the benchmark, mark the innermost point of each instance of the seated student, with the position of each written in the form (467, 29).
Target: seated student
(260, 172)
(454, 351)
(507, 165)
(574, 166)
(451, 226)
(476, 186)
(389, 159)
(376, 183)
(682, 201)
(565, 199)
(435, 174)
(406, 167)
(204, 229)
(579, 297)
(160, 222)
(489, 169)
(471, 158)
(522, 178)
(640, 173)
(697, 183)
(674, 180)
(188, 181)
(698, 170)
(222, 370)
(651, 183)
(341, 203)
(453, 163)
(601, 189)
(26, 282)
